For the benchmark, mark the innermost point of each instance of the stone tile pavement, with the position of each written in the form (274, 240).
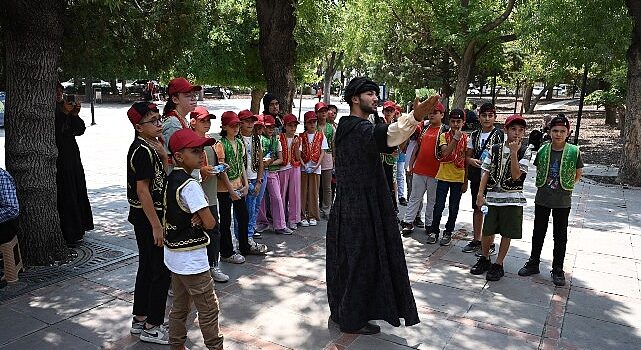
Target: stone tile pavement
(279, 301)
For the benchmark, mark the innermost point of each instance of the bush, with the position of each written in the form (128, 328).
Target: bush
(607, 98)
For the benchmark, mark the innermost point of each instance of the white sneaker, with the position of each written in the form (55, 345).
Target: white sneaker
(285, 231)
(218, 275)
(234, 259)
(158, 335)
(293, 226)
(312, 222)
(260, 228)
(304, 223)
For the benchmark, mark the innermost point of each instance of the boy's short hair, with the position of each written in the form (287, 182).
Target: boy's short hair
(487, 107)
(139, 110)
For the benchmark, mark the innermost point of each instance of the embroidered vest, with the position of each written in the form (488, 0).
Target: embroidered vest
(567, 172)
(311, 151)
(329, 134)
(457, 157)
(288, 152)
(388, 159)
(500, 172)
(179, 233)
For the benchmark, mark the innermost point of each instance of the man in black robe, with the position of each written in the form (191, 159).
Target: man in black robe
(367, 277)
(74, 209)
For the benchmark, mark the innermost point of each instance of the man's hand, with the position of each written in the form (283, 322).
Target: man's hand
(480, 200)
(464, 187)
(514, 146)
(475, 162)
(158, 236)
(423, 109)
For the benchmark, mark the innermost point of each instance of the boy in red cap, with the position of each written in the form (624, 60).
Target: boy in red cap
(185, 243)
(390, 159)
(201, 123)
(451, 176)
(327, 166)
(424, 165)
(146, 183)
(504, 172)
(313, 147)
(558, 168)
(289, 172)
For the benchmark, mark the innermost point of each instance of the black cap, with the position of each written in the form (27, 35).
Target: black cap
(560, 120)
(357, 86)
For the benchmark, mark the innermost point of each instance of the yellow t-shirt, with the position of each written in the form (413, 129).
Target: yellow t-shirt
(447, 171)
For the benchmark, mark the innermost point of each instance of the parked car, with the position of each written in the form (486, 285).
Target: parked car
(217, 91)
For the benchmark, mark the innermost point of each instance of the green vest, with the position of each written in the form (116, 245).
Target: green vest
(567, 173)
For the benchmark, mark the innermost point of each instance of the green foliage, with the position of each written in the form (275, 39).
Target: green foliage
(608, 98)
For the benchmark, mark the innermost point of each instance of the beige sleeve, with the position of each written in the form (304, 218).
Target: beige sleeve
(401, 130)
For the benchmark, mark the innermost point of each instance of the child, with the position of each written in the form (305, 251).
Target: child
(254, 168)
(400, 165)
(185, 243)
(390, 159)
(424, 165)
(146, 182)
(259, 130)
(273, 153)
(313, 146)
(327, 166)
(232, 186)
(289, 172)
(451, 177)
(558, 168)
(504, 171)
(478, 144)
(201, 123)
(182, 100)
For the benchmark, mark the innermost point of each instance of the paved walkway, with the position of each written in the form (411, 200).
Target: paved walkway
(279, 301)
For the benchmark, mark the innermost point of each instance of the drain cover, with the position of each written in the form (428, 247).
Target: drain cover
(92, 255)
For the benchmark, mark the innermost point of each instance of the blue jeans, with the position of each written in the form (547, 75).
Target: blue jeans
(253, 203)
(455, 199)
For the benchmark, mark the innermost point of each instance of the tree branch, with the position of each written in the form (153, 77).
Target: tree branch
(500, 19)
(455, 56)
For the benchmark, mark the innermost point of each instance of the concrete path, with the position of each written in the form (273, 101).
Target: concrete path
(279, 301)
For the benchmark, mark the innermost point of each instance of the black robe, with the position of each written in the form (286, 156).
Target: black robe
(73, 203)
(367, 277)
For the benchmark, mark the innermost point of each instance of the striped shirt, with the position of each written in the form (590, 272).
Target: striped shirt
(498, 196)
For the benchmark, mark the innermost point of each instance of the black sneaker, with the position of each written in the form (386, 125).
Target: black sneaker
(558, 277)
(530, 268)
(447, 239)
(432, 237)
(473, 246)
(419, 223)
(481, 266)
(495, 272)
(406, 228)
(492, 251)
(402, 201)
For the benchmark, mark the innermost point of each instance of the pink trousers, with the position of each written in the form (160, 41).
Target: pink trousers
(290, 193)
(275, 203)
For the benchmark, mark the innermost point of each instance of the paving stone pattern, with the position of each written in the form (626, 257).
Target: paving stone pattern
(279, 301)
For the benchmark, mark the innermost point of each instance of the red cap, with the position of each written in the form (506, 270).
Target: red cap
(311, 115)
(138, 110)
(398, 109)
(229, 118)
(515, 118)
(187, 138)
(319, 106)
(269, 120)
(201, 112)
(289, 118)
(260, 120)
(181, 84)
(246, 114)
(389, 104)
(439, 107)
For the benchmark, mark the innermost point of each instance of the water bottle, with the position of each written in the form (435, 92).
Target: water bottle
(484, 154)
(218, 169)
(484, 209)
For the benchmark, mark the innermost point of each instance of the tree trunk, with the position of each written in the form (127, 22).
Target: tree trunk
(538, 97)
(124, 91)
(610, 115)
(276, 22)
(257, 96)
(528, 89)
(33, 40)
(328, 77)
(630, 166)
(463, 75)
(550, 94)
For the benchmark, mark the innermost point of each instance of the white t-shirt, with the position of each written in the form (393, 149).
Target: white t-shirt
(324, 146)
(289, 164)
(498, 196)
(483, 137)
(251, 174)
(189, 262)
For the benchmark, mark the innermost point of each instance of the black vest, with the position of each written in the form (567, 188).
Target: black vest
(500, 173)
(495, 138)
(179, 233)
